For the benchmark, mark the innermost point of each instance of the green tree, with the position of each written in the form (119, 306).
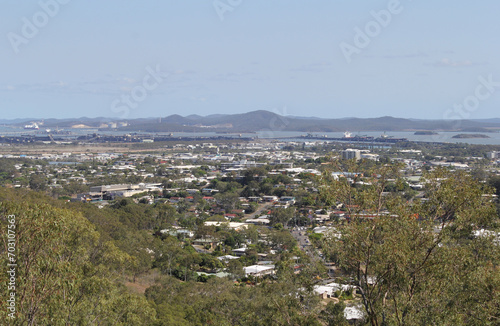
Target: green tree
(167, 252)
(333, 314)
(66, 274)
(235, 267)
(495, 183)
(38, 182)
(228, 201)
(282, 215)
(419, 262)
(282, 239)
(165, 216)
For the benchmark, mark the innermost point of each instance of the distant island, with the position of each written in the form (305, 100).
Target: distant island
(470, 136)
(425, 133)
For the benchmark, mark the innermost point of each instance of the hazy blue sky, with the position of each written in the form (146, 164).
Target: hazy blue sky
(420, 59)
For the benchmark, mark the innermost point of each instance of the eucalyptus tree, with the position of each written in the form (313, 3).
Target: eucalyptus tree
(65, 273)
(426, 261)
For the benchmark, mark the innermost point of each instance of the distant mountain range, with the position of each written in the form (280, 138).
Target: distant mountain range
(267, 121)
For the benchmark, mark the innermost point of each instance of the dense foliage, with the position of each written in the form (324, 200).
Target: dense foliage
(423, 262)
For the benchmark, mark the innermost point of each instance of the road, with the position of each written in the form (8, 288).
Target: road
(299, 233)
(261, 210)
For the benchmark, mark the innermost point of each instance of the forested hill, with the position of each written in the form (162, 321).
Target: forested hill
(262, 120)
(81, 265)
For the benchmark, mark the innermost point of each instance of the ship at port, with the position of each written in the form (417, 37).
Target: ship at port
(389, 139)
(32, 126)
(357, 138)
(348, 136)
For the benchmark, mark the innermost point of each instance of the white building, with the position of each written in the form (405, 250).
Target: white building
(258, 270)
(493, 155)
(350, 154)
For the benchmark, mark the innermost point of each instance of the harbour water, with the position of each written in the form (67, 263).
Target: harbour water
(444, 137)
